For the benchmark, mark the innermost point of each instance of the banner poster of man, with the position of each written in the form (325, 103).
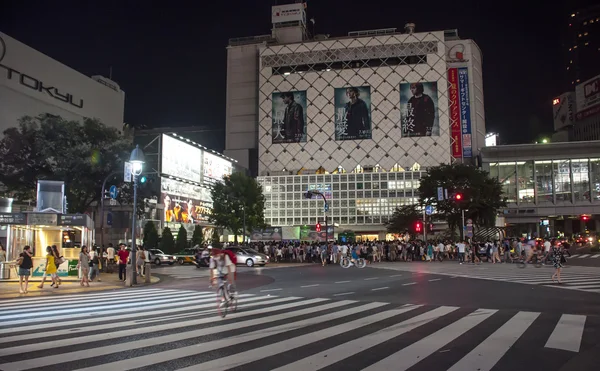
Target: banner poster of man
(289, 117)
(353, 113)
(419, 109)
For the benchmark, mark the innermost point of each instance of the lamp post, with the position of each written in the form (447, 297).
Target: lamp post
(137, 160)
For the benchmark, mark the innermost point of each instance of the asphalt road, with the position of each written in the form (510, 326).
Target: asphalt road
(389, 316)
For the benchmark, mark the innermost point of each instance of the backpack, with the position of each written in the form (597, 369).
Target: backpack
(232, 256)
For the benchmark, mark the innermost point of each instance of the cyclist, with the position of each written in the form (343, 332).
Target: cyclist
(221, 265)
(354, 254)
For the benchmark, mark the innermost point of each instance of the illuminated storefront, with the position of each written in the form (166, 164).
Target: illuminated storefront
(67, 231)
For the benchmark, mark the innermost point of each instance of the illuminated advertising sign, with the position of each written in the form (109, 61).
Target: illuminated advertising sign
(491, 140)
(465, 111)
(455, 129)
(288, 13)
(215, 168)
(184, 202)
(588, 94)
(181, 160)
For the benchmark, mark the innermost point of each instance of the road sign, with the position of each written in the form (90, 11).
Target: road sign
(326, 207)
(109, 219)
(112, 202)
(470, 231)
(113, 192)
(469, 221)
(440, 193)
(127, 170)
(428, 209)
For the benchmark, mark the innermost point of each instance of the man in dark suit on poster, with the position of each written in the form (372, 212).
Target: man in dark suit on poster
(293, 119)
(420, 113)
(357, 116)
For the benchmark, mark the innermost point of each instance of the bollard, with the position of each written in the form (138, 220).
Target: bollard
(147, 272)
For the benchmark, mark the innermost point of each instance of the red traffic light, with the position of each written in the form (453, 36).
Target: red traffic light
(318, 227)
(458, 197)
(585, 217)
(418, 227)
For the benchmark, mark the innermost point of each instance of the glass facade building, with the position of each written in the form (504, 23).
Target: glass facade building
(354, 198)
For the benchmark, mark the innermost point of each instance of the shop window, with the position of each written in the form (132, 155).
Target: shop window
(581, 179)
(544, 186)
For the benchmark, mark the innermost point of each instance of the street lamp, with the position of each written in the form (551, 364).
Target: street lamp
(137, 160)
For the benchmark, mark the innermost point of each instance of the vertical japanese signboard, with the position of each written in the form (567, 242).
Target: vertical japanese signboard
(455, 125)
(465, 111)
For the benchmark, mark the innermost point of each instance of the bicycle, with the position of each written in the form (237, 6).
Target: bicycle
(345, 262)
(535, 260)
(226, 298)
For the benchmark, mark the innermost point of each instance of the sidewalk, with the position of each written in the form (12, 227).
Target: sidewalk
(70, 285)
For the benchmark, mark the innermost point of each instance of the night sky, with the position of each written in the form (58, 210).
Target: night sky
(170, 57)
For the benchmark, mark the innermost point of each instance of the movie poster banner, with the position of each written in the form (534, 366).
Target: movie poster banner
(419, 109)
(267, 234)
(453, 105)
(185, 203)
(465, 111)
(353, 113)
(289, 117)
(309, 233)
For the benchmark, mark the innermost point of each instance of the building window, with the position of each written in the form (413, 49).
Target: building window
(562, 180)
(525, 182)
(581, 180)
(507, 176)
(543, 175)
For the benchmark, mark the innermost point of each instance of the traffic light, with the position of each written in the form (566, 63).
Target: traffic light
(585, 218)
(318, 227)
(458, 197)
(419, 227)
(143, 179)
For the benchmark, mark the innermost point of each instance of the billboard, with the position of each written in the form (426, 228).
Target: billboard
(465, 111)
(353, 113)
(267, 234)
(419, 109)
(563, 109)
(491, 140)
(184, 202)
(453, 105)
(180, 159)
(215, 168)
(287, 13)
(289, 117)
(588, 94)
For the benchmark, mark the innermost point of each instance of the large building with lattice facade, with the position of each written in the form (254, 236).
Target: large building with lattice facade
(358, 117)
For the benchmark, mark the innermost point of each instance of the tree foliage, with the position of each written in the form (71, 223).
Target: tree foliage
(167, 242)
(198, 236)
(49, 147)
(403, 219)
(150, 235)
(482, 195)
(182, 240)
(216, 239)
(231, 197)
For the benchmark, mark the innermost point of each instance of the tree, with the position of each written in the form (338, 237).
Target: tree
(232, 197)
(198, 236)
(150, 235)
(216, 239)
(182, 240)
(48, 147)
(482, 195)
(167, 242)
(403, 219)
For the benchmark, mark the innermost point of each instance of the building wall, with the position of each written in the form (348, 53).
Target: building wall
(241, 121)
(32, 83)
(386, 148)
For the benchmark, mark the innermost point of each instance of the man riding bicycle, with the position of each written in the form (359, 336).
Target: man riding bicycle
(221, 266)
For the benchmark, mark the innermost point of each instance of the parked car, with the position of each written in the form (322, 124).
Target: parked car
(158, 257)
(185, 256)
(248, 256)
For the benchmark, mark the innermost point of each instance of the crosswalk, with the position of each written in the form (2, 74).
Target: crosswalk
(169, 329)
(574, 278)
(584, 256)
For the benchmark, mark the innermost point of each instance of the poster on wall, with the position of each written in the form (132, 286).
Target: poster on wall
(453, 106)
(419, 109)
(185, 203)
(180, 159)
(289, 117)
(465, 111)
(353, 113)
(267, 234)
(215, 168)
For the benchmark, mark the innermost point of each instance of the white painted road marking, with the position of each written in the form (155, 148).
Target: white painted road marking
(343, 281)
(310, 285)
(372, 278)
(567, 333)
(380, 288)
(435, 279)
(408, 284)
(270, 290)
(344, 293)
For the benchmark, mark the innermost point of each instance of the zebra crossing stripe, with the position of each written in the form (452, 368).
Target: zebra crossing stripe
(151, 359)
(413, 354)
(340, 352)
(583, 256)
(497, 344)
(239, 359)
(62, 298)
(147, 342)
(596, 256)
(567, 333)
(186, 314)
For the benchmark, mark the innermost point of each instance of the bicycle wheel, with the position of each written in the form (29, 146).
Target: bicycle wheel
(221, 302)
(233, 299)
(521, 263)
(345, 262)
(537, 263)
(361, 263)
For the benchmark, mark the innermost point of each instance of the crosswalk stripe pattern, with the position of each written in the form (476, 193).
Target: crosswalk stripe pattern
(573, 278)
(580, 256)
(267, 332)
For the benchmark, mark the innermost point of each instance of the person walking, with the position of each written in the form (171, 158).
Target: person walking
(51, 267)
(557, 260)
(123, 256)
(25, 264)
(84, 265)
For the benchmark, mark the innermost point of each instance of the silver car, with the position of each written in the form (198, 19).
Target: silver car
(158, 257)
(248, 256)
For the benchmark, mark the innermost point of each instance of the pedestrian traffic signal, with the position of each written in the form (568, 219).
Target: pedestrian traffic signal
(418, 227)
(143, 179)
(318, 227)
(585, 218)
(458, 197)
